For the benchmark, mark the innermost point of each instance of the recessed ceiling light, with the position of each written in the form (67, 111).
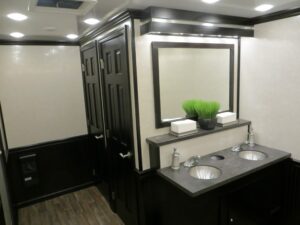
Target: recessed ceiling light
(159, 20)
(208, 24)
(16, 34)
(72, 36)
(210, 1)
(264, 7)
(17, 16)
(91, 21)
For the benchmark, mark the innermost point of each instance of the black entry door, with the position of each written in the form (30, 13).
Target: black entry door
(92, 86)
(92, 89)
(119, 124)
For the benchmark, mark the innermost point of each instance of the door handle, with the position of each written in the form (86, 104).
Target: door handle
(128, 155)
(99, 137)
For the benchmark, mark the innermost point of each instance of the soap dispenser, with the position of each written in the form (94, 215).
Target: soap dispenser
(251, 141)
(175, 160)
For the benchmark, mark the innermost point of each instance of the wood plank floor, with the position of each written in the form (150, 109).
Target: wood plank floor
(84, 207)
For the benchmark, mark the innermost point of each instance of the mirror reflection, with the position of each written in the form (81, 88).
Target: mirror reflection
(185, 71)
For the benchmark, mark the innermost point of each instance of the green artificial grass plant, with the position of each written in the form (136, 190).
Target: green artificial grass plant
(189, 107)
(206, 110)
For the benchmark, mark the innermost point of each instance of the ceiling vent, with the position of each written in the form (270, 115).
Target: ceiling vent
(76, 7)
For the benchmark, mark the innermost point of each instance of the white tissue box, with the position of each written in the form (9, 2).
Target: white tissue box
(226, 117)
(183, 126)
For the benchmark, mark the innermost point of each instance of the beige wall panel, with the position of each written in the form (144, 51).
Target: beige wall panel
(41, 93)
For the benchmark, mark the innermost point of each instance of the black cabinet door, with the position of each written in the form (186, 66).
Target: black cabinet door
(119, 124)
(257, 199)
(291, 206)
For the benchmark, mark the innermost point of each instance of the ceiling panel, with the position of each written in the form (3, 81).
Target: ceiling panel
(58, 24)
(37, 24)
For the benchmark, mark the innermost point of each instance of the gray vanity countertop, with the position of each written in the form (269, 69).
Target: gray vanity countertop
(232, 167)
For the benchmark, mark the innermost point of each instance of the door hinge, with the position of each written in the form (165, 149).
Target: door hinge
(83, 67)
(113, 195)
(102, 64)
(107, 133)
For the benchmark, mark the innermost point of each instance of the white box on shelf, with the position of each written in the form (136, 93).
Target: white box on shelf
(226, 117)
(183, 126)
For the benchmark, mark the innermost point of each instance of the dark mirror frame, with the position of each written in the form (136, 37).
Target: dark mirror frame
(155, 63)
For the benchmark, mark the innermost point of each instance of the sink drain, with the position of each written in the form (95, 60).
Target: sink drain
(217, 157)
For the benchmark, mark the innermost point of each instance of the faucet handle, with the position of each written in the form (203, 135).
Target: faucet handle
(192, 161)
(240, 147)
(236, 148)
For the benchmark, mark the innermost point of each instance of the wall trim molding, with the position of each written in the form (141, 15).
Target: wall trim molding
(113, 21)
(178, 14)
(136, 96)
(188, 29)
(196, 16)
(44, 144)
(238, 78)
(275, 16)
(5, 144)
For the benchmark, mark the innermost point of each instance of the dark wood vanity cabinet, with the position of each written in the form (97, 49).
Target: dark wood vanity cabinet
(165, 204)
(256, 199)
(180, 209)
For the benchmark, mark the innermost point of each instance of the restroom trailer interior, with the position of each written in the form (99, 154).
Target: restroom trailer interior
(85, 122)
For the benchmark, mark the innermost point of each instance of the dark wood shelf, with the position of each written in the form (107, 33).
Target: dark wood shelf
(168, 138)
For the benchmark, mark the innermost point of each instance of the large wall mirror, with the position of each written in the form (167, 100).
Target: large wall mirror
(185, 71)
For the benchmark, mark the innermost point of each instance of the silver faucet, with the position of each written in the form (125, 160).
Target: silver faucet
(192, 161)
